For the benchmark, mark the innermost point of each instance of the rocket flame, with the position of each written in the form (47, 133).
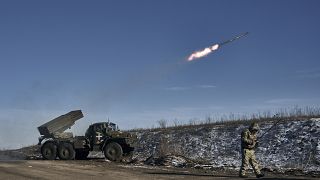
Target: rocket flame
(202, 53)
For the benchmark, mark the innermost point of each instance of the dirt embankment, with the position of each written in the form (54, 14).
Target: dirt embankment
(291, 145)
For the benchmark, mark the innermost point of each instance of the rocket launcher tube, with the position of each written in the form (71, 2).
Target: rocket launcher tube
(59, 124)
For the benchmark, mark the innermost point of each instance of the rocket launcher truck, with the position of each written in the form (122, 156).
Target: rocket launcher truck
(103, 136)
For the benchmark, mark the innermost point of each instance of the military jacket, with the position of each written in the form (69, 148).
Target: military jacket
(248, 139)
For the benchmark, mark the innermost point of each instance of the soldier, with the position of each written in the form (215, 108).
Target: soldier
(248, 143)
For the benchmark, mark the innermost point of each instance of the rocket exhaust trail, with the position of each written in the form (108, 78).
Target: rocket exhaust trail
(208, 50)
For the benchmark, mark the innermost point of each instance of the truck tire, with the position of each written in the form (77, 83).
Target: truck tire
(113, 151)
(49, 150)
(66, 151)
(81, 154)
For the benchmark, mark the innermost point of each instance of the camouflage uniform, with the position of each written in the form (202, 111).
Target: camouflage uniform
(248, 143)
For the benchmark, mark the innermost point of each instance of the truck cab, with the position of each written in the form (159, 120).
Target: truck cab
(106, 137)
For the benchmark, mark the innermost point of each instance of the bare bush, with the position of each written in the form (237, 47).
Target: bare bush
(176, 123)
(289, 113)
(162, 123)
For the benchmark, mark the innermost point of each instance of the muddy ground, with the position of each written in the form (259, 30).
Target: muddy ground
(102, 169)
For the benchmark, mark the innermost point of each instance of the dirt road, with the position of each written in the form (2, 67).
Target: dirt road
(100, 169)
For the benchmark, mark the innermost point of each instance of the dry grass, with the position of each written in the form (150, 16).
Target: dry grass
(231, 119)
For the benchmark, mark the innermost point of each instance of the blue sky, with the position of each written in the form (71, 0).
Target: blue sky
(126, 60)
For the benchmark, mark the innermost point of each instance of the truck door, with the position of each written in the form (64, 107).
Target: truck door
(98, 135)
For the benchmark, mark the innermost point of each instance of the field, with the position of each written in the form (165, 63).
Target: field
(101, 169)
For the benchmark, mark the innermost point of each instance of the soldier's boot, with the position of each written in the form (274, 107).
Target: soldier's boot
(243, 176)
(260, 175)
(242, 172)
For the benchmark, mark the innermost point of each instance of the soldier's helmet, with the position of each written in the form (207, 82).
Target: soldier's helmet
(254, 127)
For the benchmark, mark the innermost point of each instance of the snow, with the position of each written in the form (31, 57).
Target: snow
(290, 145)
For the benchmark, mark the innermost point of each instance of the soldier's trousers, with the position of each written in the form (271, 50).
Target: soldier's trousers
(249, 158)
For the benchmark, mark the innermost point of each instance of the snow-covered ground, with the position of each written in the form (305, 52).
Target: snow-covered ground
(289, 145)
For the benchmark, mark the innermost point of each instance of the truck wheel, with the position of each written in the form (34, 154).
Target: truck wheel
(113, 151)
(66, 151)
(81, 154)
(49, 150)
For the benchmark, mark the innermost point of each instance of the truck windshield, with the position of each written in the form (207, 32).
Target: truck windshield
(113, 126)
